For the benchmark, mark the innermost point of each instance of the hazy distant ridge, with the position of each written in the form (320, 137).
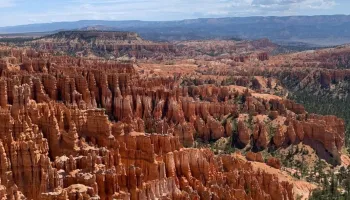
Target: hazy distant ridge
(321, 30)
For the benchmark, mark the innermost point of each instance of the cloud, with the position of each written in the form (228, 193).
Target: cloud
(6, 3)
(276, 7)
(293, 4)
(171, 9)
(155, 10)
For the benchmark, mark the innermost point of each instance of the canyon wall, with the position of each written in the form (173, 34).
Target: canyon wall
(75, 128)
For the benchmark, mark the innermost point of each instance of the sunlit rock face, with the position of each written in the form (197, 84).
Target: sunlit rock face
(78, 128)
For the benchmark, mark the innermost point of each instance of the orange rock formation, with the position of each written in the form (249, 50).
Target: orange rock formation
(90, 129)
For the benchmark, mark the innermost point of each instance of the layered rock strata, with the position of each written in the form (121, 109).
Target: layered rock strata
(90, 129)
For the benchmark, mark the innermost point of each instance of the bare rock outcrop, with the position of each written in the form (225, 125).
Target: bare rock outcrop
(74, 128)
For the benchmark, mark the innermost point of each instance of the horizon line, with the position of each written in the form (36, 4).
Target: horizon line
(139, 20)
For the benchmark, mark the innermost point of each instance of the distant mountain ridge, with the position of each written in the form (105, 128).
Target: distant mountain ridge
(95, 34)
(317, 30)
(97, 28)
(89, 42)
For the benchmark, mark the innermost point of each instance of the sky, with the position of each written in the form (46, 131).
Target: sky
(17, 12)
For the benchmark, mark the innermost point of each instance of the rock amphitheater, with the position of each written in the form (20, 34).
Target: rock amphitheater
(79, 128)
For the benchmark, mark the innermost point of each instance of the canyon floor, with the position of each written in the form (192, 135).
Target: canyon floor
(108, 115)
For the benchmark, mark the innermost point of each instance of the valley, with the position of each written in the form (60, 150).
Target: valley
(99, 114)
